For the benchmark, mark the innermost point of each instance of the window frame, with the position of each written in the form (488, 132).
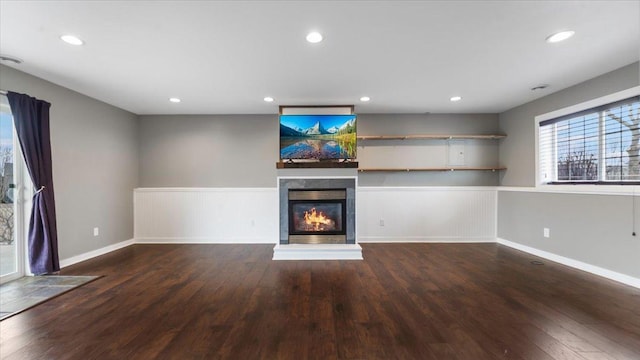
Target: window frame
(583, 186)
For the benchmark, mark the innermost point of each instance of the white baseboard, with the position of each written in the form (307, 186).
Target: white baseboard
(91, 254)
(317, 252)
(424, 239)
(612, 275)
(205, 240)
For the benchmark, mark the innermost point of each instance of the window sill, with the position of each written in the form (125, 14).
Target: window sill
(596, 183)
(590, 189)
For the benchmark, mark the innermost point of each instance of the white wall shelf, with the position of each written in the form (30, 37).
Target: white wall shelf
(432, 137)
(435, 153)
(484, 168)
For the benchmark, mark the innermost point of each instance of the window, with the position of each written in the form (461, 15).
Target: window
(599, 145)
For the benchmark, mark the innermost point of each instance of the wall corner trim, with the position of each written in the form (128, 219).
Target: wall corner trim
(611, 275)
(95, 253)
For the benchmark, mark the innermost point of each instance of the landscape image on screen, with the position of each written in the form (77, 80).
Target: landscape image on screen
(317, 136)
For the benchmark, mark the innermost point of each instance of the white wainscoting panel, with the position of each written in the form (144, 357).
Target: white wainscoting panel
(206, 215)
(250, 215)
(426, 214)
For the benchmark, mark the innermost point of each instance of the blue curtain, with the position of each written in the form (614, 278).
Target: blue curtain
(31, 119)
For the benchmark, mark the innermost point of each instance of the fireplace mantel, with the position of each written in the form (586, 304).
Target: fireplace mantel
(317, 165)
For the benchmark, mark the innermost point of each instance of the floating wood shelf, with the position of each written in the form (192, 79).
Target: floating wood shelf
(431, 137)
(317, 165)
(498, 168)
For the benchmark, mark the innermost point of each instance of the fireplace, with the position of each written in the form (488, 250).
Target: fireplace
(317, 210)
(317, 216)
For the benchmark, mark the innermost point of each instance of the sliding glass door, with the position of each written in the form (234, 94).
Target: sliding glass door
(12, 201)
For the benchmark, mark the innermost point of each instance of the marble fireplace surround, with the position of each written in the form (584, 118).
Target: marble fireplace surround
(348, 251)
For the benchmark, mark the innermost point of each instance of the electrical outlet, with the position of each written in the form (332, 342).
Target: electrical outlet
(381, 222)
(96, 231)
(545, 232)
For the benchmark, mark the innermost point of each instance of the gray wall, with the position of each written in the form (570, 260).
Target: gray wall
(595, 229)
(401, 124)
(208, 151)
(517, 151)
(241, 150)
(95, 164)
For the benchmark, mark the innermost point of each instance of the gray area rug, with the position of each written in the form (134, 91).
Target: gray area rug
(19, 295)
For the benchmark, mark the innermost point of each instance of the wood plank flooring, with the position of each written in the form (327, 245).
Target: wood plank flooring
(404, 301)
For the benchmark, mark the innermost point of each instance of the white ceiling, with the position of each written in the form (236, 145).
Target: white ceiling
(224, 57)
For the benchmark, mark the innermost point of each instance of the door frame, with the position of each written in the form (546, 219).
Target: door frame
(22, 211)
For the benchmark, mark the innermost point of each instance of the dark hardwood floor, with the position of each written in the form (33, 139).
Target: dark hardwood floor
(404, 301)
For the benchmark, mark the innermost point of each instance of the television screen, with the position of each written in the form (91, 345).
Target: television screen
(317, 137)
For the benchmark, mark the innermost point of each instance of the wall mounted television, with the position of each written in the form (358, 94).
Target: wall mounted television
(318, 137)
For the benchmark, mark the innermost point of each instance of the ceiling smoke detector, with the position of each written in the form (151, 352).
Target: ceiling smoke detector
(539, 87)
(10, 59)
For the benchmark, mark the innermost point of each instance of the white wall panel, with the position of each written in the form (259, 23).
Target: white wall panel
(432, 214)
(206, 215)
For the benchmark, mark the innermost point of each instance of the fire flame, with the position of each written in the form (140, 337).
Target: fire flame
(316, 219)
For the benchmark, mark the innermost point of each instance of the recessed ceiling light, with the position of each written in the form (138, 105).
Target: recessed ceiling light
(71, 39)
(314, 37)
(560, 36)
(268, 99)
(365, 98)
(174, 100)
(456, 98)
